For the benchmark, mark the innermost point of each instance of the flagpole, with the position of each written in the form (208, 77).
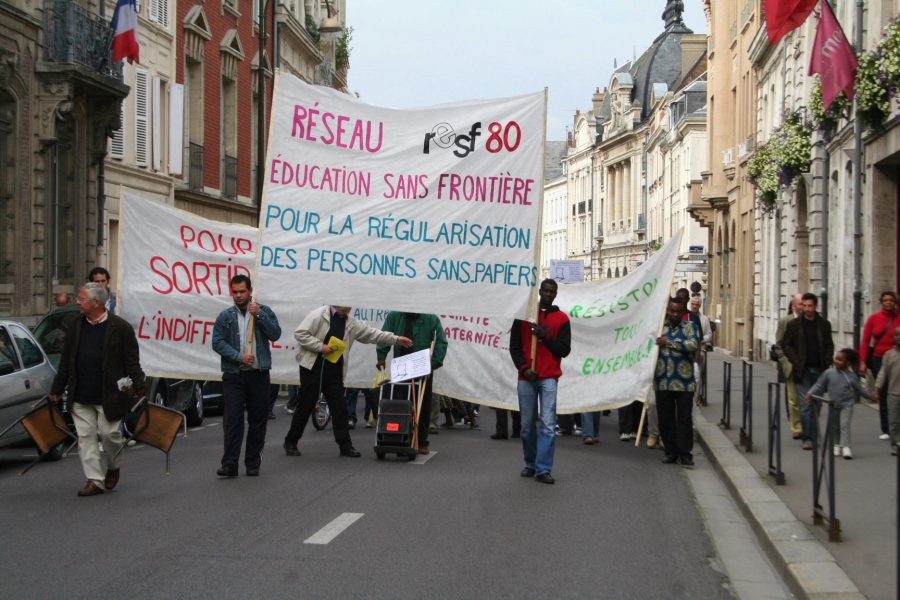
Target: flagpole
(857, 194)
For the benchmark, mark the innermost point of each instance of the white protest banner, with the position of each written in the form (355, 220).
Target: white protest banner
(175, 270)
(176, 266)
(614, 327)
(429, 210)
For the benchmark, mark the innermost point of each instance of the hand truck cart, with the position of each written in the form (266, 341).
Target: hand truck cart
(395, 430)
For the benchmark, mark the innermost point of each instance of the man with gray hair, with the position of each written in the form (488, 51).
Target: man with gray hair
(100, 350)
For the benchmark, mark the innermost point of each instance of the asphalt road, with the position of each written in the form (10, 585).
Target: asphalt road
(618, 524)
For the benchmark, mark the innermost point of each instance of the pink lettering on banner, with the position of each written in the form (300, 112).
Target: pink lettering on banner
(329, 179)
(504, 189)
(210, 242)
(337, 129)
(200, 277)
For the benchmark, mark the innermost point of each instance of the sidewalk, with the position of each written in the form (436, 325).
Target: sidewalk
(866, 492)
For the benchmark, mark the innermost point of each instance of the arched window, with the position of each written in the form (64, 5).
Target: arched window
(617, 272)
(625, 272)
(609, 273)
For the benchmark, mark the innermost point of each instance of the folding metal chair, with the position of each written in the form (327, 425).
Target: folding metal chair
(157, 426)
(48, 429)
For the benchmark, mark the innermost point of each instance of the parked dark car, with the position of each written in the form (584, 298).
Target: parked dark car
(185, 395)
(26, 375)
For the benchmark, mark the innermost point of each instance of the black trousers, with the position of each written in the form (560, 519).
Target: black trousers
(503, 422)
(245, 391)
(675, 426)
(630, 417)
(332, 385)
(401, 392)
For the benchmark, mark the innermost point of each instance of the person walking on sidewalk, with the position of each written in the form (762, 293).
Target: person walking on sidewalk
(808, 346)
(100, 349)
(887, 389)
(844, 389)
(785, 370)
(318, 375)
(539, 378)
(674, 383)
(422, 329)
(245, 375)
(876, 341)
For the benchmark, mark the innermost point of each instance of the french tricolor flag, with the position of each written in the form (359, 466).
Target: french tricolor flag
(125, 24)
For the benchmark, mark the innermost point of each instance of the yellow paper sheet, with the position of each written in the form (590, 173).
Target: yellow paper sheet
(338, 346)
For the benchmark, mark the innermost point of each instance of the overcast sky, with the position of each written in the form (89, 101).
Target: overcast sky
(409, 53)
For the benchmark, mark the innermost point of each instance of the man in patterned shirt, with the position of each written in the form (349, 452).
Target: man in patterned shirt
(674, 383)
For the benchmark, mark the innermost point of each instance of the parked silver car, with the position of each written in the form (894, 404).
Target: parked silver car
(25, 377)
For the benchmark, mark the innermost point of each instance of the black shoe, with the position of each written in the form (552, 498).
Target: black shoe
(271, 415)
(545, 478)
(499, 436)
(516, 436)
(352, 424)
(227, 471)
(526, 472)
(670, 460)
(291, 449)
(252, 472)
(687, 463)
(350, 451)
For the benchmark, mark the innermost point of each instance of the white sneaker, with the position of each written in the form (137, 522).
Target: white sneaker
(624, 437)
(847, 454)
(837, 450)
(884, 436)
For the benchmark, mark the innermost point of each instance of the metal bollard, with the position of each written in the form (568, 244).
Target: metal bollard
(746, 436)
(725, 422)
(775, 433)
(703, 391)
(825, 470)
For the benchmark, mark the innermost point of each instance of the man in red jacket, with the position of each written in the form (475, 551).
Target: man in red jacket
(877, 339)
(538, 379)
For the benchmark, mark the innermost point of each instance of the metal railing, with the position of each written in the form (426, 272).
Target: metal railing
(195, 166)
(322, 73)
(746, 435)
(823, 469)
(230, 167)
(775, 432)
(74, 34)
(725, 421)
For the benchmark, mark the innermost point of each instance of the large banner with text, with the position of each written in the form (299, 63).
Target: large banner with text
(430, 210)
(175, 268)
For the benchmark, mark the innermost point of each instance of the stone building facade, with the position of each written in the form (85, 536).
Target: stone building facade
(60, 101)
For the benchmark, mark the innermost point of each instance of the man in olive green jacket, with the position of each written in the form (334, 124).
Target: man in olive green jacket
(422, 329)
(794, 311)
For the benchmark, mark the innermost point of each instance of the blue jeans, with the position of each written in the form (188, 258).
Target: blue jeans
(590, 424)
(810, 376)
(539, 444)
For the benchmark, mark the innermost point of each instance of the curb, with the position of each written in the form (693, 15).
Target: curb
(807, 567)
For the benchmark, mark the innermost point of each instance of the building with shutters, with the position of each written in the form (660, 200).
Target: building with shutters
(59, 101)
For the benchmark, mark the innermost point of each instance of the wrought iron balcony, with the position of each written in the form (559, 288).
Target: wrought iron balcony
(195, 166)
(230, 165)
(74, 34)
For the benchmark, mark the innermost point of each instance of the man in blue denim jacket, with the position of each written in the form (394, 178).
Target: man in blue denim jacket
(245, 375)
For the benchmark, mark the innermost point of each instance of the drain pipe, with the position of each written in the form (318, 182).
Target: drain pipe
(857, 198)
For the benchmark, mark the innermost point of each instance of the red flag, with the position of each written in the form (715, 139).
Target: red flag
(784, 16)
(833, 58)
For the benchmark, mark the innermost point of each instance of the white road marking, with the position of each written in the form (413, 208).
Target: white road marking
(213, 424)
(196, 428)
(422, 458)
(333, 529)
(29, 456)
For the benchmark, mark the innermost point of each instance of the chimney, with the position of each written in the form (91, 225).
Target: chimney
(692, 48)
(597, 100)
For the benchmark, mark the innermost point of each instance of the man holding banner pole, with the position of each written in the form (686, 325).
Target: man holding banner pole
(321, 376)
(537, 350)
(241, 337)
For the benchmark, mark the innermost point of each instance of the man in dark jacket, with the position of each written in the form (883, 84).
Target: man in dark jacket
(100, 350)
(538, 379)
(246, 363)
(808, 346)
(422, 329)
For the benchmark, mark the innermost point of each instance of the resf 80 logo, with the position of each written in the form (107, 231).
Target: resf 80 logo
(443, 136)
